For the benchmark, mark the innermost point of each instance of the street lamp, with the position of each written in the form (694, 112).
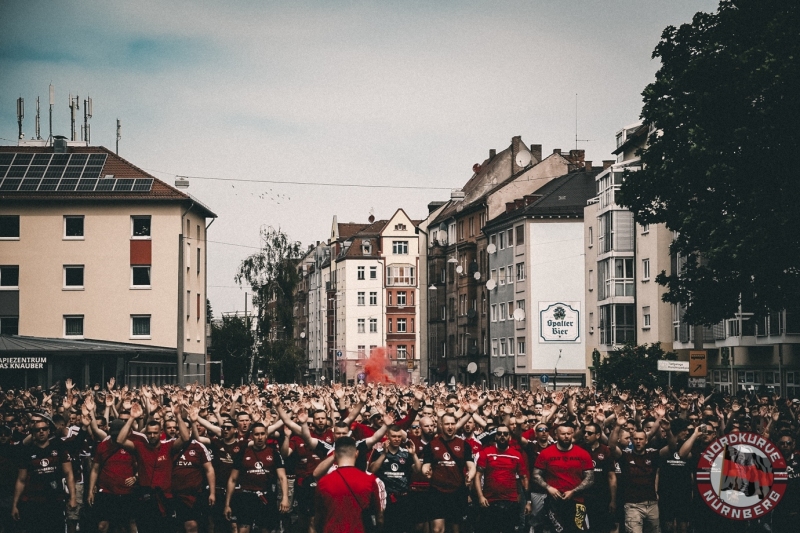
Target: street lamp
(555, 374)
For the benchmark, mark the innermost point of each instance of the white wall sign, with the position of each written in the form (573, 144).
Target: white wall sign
(559, 322)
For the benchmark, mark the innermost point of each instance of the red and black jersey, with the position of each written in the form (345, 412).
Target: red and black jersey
(419, 483)
(155, 463)
(638, 483)
(222, 458)
(564, 470)
(258, 469)
(448, 460)
(501, 469)
(603, 464)
(475, 444)
(116, 465)
(188, 472)
(361, 431)
(45, 471)
(307, 459)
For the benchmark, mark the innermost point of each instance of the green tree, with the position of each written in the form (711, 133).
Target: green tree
(232, 343)
(718, 168)
(631, 366)
(272, 275)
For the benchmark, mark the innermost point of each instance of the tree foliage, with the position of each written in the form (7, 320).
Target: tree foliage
(631, 366)
(232, 343)
(718, 167)
(272, 275)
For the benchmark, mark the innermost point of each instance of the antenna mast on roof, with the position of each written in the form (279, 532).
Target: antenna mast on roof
(119, 134)
(74, 105)
(20, 115)
(576, 125)
(38, 121)
(87, 114)
(52, 103)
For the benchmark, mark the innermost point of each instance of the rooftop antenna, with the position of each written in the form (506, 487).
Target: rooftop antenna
(87, 114)
(74, 105)
(52, 103)
(576, 125)
(20, 115)
(38, 121)
(119, 134)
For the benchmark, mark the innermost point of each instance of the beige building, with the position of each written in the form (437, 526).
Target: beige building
(94, 248)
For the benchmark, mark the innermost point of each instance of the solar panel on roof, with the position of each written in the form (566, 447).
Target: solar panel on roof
(23, 159)
(29, 184)
(48, 184)
(67, 184)
(54, 171)
(86, 184)
(92, 172)
(35, 172)
(10, 184)
(78, 159)
(97, 159)
(5, 159)
(143, 185)
(124, 184)
(3, 169)
(41, 159)
(16, 171)
(59, 159)
(73, 172)
(105, 185)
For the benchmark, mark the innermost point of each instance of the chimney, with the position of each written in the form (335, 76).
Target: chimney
(587, 165)
(519, 202)
(510, 206)
(607, 163)
(492, 153)
(576, 156)
(516, 147)
(536, 152)
(557, 151)
(530, 198)
(59, 144)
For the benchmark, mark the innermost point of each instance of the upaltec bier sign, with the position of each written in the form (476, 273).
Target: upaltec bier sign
(559, 322)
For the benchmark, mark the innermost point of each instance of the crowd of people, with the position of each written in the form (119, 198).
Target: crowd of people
(374, 457)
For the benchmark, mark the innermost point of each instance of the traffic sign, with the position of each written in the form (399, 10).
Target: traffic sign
(699, 363)
(362, 376)
(673, 366)
(544, 378)
(697, 383)
(338, 353)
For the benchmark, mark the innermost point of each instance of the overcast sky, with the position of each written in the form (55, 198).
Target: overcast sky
(362, 92)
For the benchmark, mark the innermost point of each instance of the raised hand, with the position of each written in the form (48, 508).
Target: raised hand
(110, 383)
(136, 410)
(69, 384)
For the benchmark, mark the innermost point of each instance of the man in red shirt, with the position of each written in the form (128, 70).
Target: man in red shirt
(154, 459)
(191, 473)
(445, 460)
(114, 474)
(344, 493)
(565, 471)
(499, 468)
(252, 486)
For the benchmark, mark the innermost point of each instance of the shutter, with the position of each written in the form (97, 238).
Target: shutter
(623, 231)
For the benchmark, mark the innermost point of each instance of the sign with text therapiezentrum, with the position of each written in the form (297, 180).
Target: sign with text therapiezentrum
(673, 366)
(559, 322)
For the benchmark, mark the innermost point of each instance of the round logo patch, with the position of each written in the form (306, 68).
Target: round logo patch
(741, 476)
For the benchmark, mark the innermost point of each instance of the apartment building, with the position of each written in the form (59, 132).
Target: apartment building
(92, 248)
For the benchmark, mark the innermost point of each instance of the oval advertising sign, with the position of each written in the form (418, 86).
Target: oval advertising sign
(741, 476)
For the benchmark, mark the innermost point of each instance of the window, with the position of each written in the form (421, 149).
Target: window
(616, 324)
(520, 235)
(451, 232)
(198, 260)
(460, 230)
(503, 348)
(615, 278)
(389, 298)
(511, 346)
(73, 325)
(520, 345)
(590, 286)
(9, 277)
(401, 325)
(400, 247)
(73, 277)
(521, 305)
(511, 310)
(9, 325)
(401, 297)
(493, 240)
(591, 322)
(412, 326)
(443, 314)
(502, 315)
(494, 313)
(9, 227)
(390, 325)
(520, 271)
(373, 298)
(401, 275)
(493, 275)
(471, 226)
(502, 279)
(645, 269)
(616, 231)
(362, 351)
(73, 227)
(402, 352)
(494, 347)
(140, 227)
(360, 271)
(140, 276)
(510, 237)
(645, 228)
(140, 326)
(591, 236)
(361, 298)
(373, 272)
(362, 325)
(510, 274)
(373, 325)
(502, 240)
(188, 304)
(646, 316)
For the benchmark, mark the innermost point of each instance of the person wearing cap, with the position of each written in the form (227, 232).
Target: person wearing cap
(111, 482)
(39, 493)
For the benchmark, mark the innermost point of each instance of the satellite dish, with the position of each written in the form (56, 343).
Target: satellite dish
(499, 371)
(472, 368)
(523, 158)
(491, 284)
(519, 314)
(459, 269)
(477, 275)
(302, 334)
(491, 249)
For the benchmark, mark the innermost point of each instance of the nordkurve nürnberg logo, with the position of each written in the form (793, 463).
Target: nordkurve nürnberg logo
(741, 476)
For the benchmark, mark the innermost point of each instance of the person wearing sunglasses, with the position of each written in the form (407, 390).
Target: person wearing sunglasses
(601, 501)
(539, 440)
(499, 466)
(39, 494)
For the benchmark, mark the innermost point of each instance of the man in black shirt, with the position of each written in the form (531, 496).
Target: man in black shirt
(786, 515)
(394, 465)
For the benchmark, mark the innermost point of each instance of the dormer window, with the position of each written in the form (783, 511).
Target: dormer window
(400, 227)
